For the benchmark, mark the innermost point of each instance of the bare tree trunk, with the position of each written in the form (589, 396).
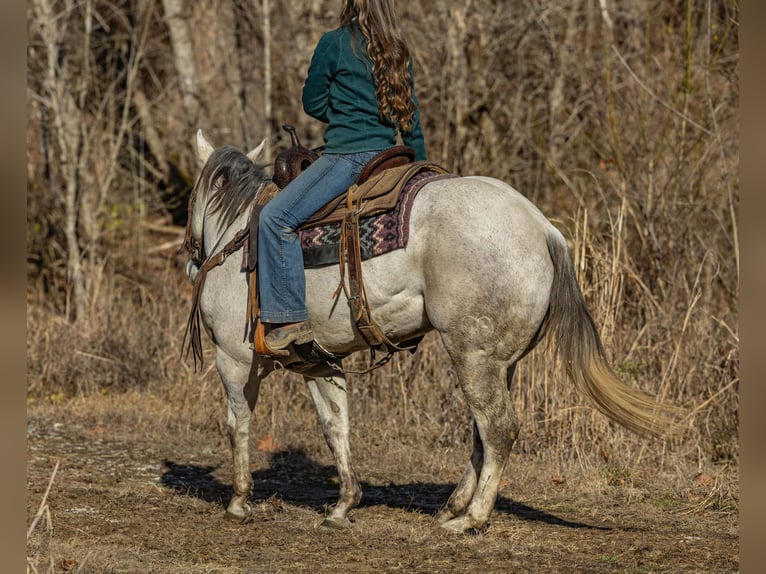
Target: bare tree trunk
(229, 32)
(459, 97)
(267, 112)
(151, 135)
(66, 119)
(183, 52)
(556, 98)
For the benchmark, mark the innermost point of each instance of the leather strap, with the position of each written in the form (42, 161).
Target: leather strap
(192, 337)
(357, 297)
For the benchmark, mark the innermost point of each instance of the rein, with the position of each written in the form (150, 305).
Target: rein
(192, 340)
(192, 336)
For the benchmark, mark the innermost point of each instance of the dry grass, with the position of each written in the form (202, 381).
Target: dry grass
(129, 498)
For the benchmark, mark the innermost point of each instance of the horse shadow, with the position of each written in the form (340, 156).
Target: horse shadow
(295, 478)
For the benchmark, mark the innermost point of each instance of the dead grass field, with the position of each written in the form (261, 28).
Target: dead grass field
(140, 490)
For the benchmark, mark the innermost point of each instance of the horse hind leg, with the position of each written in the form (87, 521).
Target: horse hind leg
(329, 395)
(461, 496)
(485, 382)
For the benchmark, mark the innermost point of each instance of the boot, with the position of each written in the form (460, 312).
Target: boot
(282, 337)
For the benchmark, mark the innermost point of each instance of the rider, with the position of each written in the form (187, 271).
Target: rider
(359, 83)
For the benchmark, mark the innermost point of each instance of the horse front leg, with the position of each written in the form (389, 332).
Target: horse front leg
(242, 383)
(329, 394)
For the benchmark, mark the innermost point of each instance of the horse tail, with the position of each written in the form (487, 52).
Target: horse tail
(582, 354)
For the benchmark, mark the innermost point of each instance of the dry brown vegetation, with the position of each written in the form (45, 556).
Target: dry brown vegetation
(619, 120)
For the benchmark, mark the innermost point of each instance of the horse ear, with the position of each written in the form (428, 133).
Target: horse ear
(204, 148)
(255, 154)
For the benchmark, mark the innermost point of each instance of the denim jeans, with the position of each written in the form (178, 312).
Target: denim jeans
(281, 279)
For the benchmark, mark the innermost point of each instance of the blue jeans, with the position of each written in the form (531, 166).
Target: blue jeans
(281, 279)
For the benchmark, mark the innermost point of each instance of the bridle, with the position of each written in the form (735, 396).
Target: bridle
(192, 337)
(191, 244)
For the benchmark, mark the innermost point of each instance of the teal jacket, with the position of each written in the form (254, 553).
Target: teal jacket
(339, 91)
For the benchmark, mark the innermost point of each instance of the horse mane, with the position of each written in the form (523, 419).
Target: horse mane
(233, 180)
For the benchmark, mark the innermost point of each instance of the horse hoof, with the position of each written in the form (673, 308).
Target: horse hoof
(455, 525)
(239, 513)
(443, 516)
(463, 525)
(335, 523)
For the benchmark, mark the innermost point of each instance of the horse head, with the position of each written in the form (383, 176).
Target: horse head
(216, 187)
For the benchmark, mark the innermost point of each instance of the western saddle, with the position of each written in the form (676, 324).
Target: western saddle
(376, 190)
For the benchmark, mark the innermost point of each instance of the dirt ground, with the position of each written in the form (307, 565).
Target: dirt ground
(124, 501)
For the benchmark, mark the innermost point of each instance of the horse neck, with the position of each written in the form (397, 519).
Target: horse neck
(216, 235)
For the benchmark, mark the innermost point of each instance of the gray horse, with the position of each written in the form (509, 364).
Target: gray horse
(483, 267)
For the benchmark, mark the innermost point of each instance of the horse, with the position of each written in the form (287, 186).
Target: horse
(483, 267)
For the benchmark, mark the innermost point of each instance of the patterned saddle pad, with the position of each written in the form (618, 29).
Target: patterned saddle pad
(378, 234)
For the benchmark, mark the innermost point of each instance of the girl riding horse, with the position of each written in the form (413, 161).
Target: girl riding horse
(359, 83)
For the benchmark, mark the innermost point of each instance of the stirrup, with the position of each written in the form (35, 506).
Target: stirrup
(260, 346)
(282, 337)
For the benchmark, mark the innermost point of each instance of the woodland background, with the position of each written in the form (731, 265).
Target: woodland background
(618, 119)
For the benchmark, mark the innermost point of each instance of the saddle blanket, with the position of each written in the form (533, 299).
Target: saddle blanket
(378, 234)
